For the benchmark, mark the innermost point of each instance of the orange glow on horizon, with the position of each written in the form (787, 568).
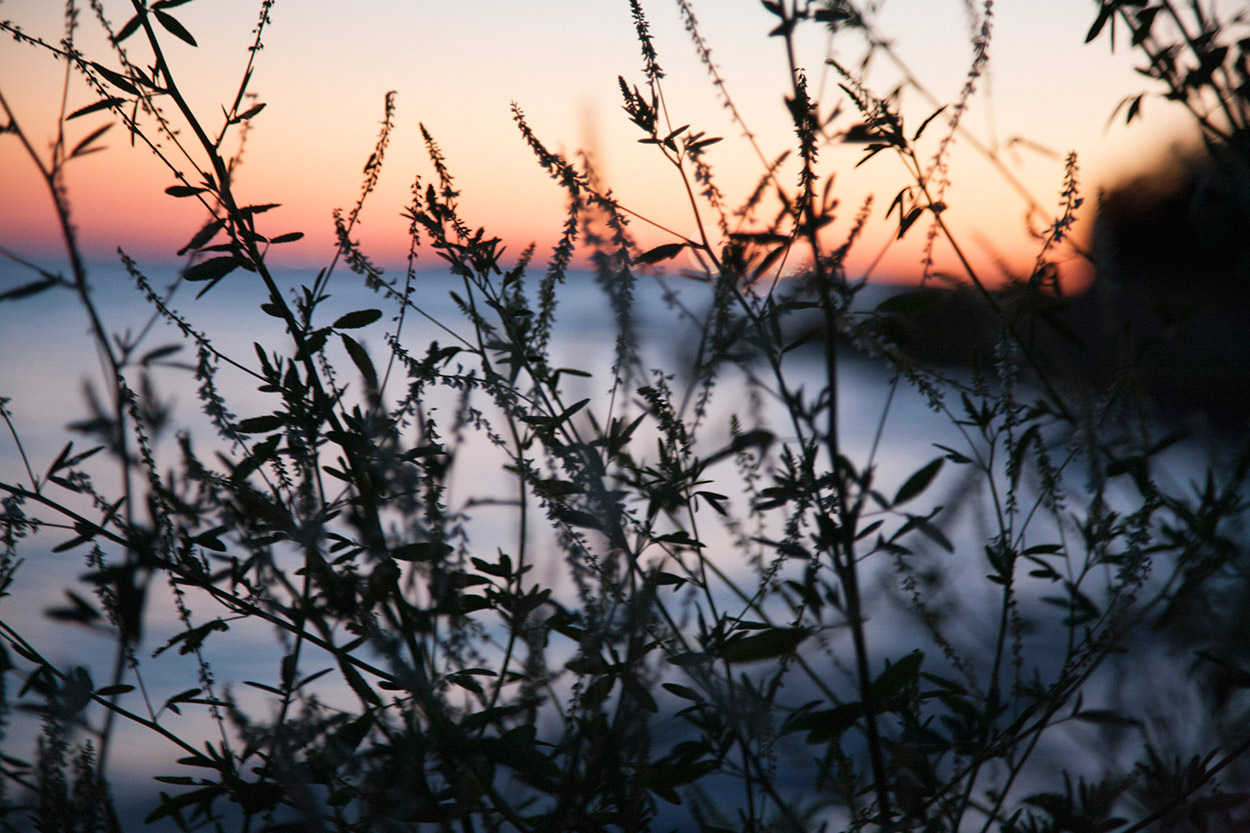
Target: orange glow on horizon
(307, 148)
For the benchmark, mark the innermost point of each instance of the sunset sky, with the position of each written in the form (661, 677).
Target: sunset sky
(326, 68)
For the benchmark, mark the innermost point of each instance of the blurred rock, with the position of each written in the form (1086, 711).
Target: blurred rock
(1169, 304)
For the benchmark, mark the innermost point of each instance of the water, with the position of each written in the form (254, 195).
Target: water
(51, 358)
(49, 353)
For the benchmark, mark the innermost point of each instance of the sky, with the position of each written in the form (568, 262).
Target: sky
(456, 68)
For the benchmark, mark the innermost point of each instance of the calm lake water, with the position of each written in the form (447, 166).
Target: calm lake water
(49, 356)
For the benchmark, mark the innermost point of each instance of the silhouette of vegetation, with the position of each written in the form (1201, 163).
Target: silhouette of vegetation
(1037, 628)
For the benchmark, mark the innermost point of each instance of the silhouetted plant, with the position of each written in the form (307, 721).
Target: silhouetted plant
(719, 656)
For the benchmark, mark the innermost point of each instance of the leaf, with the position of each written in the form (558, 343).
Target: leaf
(953, 455)
(907, 222)
(253, 210)
(63, 459)
(897, 678)
(129, 29)
(357, 319)
(174, 28)
(870, 151)
(81, 147)
(1145, 19)
(181, 696)
(572, 371)
(664, 252)
(213, 269)
(766, 644)
(1106, 717)
(683, 692)
(102, 104)
(934, 534)
(1081, 609)
(28, 289)
(116, 79)
(829, 724)
(361, 359)
(1134, 110)
(577, 517)
(173, 805)
(184, 191)
(910, 303)
(260, 424)
(71, 543)
(897, 202)
(210, 540)
(159, 353)
(289, 237)
(421, 551)
(80, 610)
(919, 481)
(357, 682)
(250, 112)
(568, 412)
(312, 344)
(832, 16)
(110, 690)
(207, 233)
(663, 579)
(925, 123)
(1104, 14)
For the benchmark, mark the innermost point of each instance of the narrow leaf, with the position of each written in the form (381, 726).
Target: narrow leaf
(252, 210)
(683, 692)
(159, 353)
(908, 221)
(665, 252)
(421, 551)
(361, 359)
(312, 344)
(898, 677)
(919, 481)
(925, 123)
(251, 111)
(767, 644)
(174, 28)
(211, 269)
(91, 137)
(129, 29)
(1106, 717)
(110, 690)
(359, 318)
(260, 424)
(1104, 14)
(28, 289)
(203, 235)
(102, 104)
(184, 191)
(116, 79)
